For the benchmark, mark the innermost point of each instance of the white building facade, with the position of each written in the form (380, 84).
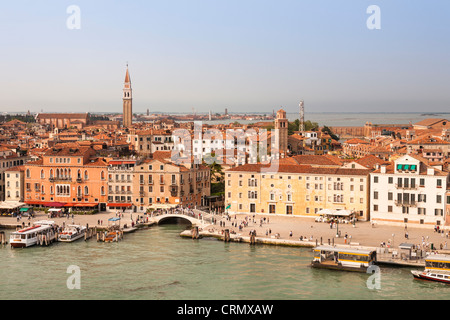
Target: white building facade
(410, 192)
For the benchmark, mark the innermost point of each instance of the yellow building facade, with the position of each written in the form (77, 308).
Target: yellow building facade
(299, 190)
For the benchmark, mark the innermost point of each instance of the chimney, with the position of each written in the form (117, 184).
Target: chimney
(430, 171)
(383, 169)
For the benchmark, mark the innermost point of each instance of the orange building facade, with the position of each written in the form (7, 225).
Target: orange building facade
(67, 177)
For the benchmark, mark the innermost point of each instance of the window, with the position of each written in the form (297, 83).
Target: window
(439, 183)
(438, 199)
(375, 195)
(289, 209)
(375, 179)
(272, 208)
(390, 180)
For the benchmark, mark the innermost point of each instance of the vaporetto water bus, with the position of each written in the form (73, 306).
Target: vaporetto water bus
(341, 258)
(40, 231)
(437, 268)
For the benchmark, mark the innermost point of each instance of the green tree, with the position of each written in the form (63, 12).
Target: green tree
(327, 130)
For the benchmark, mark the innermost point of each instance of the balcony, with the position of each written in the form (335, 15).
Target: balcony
(65, 179)
(406, 203)
(403, 187)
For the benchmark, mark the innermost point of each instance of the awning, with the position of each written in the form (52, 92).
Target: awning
(83, 205)
(24, 209)
(325, 211)
(53, 204)
(343, 213)
(11, 204)
(127, 205)
(34, 202)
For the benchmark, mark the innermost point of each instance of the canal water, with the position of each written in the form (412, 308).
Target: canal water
(158, 264)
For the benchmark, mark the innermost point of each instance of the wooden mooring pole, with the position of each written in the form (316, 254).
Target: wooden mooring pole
(195, 232)
(226, 235)
(3, 238)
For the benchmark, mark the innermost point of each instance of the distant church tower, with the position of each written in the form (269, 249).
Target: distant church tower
(127, 101)
(281, 124)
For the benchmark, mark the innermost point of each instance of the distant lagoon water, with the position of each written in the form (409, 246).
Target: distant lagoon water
(341, 119)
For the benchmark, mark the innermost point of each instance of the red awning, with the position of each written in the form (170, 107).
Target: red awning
(80, 205)
(46, 204)
(34, 202)
(119, 204)
(54, 204)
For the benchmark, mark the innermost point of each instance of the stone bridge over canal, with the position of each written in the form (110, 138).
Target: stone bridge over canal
(194, 219)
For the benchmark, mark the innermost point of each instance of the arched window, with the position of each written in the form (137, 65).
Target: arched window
(103, 190)
(86, 176)
(79, 174)
(28, 173)
(42, 174)
(102, 175)
(86, 190)
(51, 173)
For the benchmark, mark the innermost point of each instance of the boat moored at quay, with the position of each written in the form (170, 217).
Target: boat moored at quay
(341, 258)
(72, 233)
(40, 232)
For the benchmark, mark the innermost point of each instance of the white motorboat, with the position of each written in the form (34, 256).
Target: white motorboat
(72, 233)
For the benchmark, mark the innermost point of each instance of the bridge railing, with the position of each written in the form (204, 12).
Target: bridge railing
(193, 213)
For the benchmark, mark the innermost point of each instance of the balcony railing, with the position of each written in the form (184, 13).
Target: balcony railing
(408, 187)
(53, 179)
(406, 203)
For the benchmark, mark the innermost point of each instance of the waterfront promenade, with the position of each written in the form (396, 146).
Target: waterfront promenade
(363, 234)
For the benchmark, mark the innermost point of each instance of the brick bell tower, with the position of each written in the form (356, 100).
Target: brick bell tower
(281, 124)
(127, 102)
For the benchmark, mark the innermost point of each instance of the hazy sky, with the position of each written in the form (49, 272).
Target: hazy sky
(244, 55)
